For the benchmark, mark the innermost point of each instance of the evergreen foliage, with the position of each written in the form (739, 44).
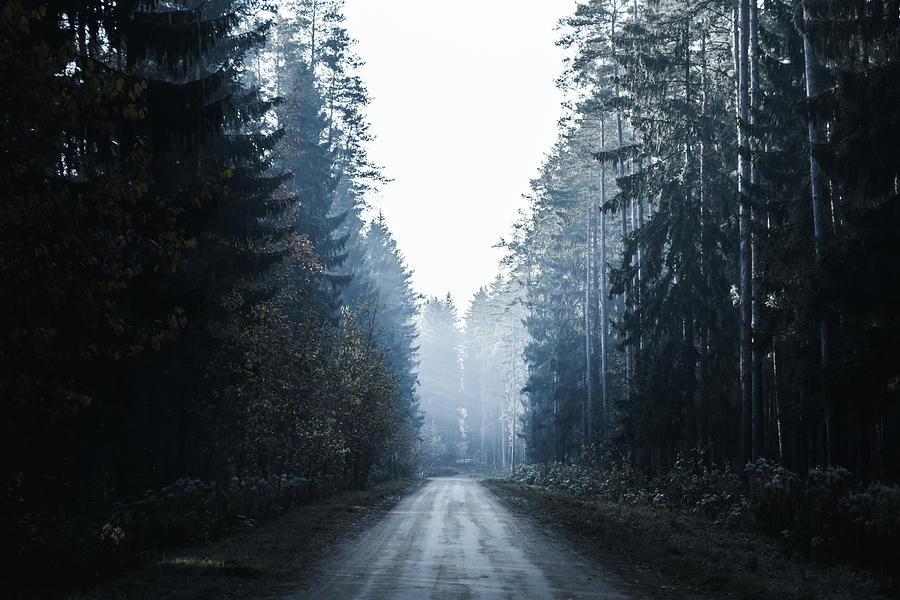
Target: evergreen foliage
(440, 376)
(743, 157)
(493, 373)
(185, 183)
(192, 290)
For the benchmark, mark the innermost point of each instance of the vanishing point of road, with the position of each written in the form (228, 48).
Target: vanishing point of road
(453, 539)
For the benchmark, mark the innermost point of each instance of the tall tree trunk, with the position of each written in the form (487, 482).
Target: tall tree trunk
(588, 375)
(703, 358)
(742, 30)
(640, 251)
(636, 207)
(501, 442)
(636, 278)
(777, 402)
(689, 401)
(515, 403)
(816, 135)
(556, 437)
(635, 284)
(626, 296)
(483, 410)
(603, 294)
(756, 433)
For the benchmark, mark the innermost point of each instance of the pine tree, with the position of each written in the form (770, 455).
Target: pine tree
(440, 376)
(390, 318)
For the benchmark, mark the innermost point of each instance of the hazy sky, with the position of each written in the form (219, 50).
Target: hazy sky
(464, 108)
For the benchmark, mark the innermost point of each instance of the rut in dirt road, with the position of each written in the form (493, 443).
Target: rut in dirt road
(453, 539)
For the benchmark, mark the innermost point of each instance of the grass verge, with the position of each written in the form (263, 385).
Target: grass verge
(254, 560)
(668, 554)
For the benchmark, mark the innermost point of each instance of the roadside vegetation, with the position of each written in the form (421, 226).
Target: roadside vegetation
(763, 533)
(200, 323)
(251, 556)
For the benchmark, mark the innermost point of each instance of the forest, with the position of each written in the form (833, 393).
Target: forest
(206, 320)
(705, 287)
(198, 322)
(708, 262)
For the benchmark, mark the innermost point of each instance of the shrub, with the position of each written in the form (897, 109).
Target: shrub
(822, 514)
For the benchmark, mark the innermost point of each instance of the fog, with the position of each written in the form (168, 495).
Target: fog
(486, 303)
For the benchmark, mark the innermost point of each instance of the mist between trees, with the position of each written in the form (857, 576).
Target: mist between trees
(701, 307)
(709, 262)
(201, 326)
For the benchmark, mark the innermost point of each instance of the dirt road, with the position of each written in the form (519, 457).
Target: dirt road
(453, 539)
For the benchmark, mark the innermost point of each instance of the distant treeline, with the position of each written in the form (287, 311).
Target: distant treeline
(710, 263)
(189, 289)
(471, 378)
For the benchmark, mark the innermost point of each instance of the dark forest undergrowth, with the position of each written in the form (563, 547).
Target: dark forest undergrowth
(670, 553)
(252, 560)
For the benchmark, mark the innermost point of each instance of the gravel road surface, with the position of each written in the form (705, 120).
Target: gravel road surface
(453, 539)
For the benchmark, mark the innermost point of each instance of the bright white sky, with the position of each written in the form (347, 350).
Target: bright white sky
(464, 109)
